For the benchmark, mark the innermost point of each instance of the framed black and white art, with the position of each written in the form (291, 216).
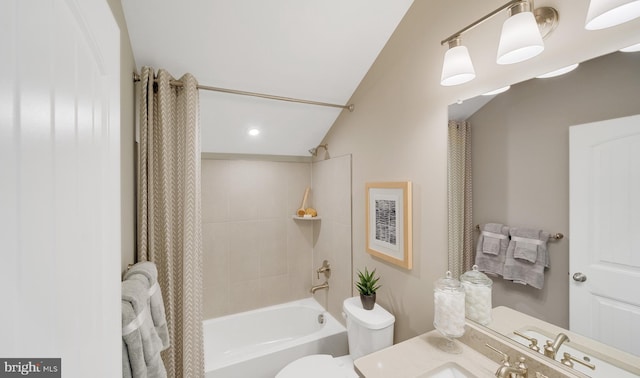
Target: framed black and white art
(388, 222)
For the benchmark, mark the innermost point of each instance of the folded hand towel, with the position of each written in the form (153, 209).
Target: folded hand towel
(148, 270)
(491, 242)
(138, 332)
(527, 242)
(523, 270)
(493, 237)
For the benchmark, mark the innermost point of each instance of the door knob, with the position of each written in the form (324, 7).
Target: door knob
(580, 277)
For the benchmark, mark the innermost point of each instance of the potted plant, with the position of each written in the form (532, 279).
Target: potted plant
(367, 285)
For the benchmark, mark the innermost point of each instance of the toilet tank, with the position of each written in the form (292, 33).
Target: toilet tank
(367, 330)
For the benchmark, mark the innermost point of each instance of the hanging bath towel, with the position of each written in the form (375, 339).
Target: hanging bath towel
(492, 248)
(531, 245)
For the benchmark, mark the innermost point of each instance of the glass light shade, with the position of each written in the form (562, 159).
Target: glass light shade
(607, 13)
(559, 71)
(457, 67)
(520, 39)
(632, 48)
(497, 91)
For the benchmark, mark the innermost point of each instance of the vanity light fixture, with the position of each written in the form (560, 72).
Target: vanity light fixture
(497, 91)
(604, 14)
(632, 48)
(521, 39)
(559, 71)
(457, 67)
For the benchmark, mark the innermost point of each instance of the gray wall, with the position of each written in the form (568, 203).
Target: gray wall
(520, 152)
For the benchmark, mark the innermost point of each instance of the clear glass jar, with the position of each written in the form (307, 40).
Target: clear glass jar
(477, 287)
(449, 303)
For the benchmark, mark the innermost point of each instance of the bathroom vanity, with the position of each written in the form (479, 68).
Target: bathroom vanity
(432, 355)
(531, 332)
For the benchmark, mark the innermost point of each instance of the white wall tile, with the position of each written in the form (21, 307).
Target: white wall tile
(255, 253)
(215, 197)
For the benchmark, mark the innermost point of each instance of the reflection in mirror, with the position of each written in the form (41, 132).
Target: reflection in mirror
(520, 164)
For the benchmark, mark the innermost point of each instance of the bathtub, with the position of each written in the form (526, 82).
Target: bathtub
(259, 343)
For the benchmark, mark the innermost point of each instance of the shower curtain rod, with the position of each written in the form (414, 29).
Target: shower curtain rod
(178, 83)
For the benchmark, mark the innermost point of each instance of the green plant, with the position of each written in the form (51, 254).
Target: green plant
(368, 283)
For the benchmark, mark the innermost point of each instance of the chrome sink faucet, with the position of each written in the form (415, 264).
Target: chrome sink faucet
(552, 347)
(511, 371)
(508, 371)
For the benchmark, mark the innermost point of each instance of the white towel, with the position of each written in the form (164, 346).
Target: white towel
(523, 270)
(141, 342)
(148, 270)
(491, 248)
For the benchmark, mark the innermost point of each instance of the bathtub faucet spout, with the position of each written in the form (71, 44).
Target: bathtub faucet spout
(315, 288)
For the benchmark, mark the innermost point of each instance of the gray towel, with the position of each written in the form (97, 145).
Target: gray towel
(522, 270)
(133, 364)
(486, 260)
(527, 242)
(138, 332)
(148, 270)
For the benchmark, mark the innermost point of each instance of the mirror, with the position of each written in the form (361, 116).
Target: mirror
(520, 153)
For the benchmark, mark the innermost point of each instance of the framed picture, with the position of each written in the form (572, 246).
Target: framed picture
(388, 222)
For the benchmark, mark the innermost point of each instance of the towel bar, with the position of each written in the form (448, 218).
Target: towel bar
(556, 236)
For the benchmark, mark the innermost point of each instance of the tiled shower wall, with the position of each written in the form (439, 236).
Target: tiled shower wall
(331, 182)
(255, 253)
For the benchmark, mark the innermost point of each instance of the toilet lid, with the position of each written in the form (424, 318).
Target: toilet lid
(318, 366)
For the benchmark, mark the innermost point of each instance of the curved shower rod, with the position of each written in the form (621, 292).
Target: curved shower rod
(178, 83)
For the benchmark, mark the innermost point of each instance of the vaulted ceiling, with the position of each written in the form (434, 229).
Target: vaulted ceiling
(312, 50)
(321, 51)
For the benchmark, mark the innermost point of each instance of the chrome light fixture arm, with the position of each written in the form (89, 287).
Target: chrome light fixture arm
(459, 33)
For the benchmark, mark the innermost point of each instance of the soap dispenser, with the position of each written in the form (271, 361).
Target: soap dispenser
(477, 287)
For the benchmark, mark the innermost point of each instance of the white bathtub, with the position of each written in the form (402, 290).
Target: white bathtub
(259, 343)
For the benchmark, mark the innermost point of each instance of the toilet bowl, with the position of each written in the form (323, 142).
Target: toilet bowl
(367, 331)
(319, 366)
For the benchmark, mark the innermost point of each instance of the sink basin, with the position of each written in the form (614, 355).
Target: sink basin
(603, 369)
(448, 370)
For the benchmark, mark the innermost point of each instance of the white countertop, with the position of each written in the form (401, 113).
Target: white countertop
(422, 354)
(419, 355)
(506, 320)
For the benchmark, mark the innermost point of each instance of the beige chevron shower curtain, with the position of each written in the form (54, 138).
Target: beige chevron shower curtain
(169, 219)
(459, 198)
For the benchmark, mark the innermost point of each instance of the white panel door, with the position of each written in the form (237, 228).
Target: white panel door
(59, 185)
(605, 232)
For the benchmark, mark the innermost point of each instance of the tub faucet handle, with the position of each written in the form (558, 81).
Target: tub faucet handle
(325, 268)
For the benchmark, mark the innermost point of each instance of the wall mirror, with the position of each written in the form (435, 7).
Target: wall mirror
(520, 164)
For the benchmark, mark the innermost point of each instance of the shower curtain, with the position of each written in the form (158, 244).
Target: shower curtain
(169, 220)
(460, 252)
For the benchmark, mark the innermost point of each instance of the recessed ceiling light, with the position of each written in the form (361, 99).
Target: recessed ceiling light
(559, 71)
(497, 91)
(632, 48)
(253, 131)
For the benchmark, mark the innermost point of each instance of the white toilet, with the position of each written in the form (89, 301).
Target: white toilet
(367, 332)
